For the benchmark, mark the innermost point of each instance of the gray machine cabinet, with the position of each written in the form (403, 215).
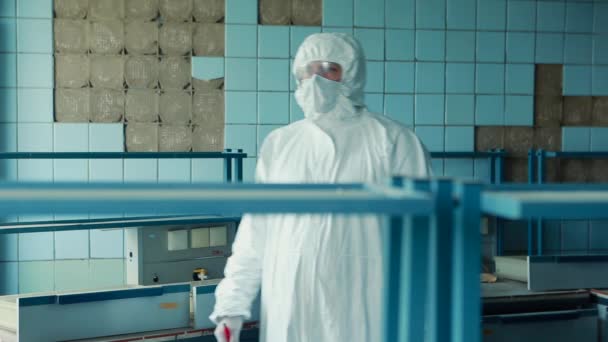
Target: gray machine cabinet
(511, 312)
(557, 326)
(169, 254)
(601, 297)
(555, 272)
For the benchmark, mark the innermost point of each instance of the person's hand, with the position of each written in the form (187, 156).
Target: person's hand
(233, 325)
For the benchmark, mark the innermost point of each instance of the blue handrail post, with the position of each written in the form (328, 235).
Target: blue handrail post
(393, 235)
(440, 253)
(499, 167)
(540, 169)
(531, 169)
(540, 156)
(415, 271)
(493, 166)
(466, 295)
(497, 178)
(228, 167)
(239, 167)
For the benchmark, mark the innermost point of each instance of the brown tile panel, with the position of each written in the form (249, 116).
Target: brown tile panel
(599, 171)
(548, 138)
(549, 79)
(577, 110)
(599, 115)
(489, 137)
(518, 140)
(548, 110)
(575, 170)
(516, 170)
(275, 12)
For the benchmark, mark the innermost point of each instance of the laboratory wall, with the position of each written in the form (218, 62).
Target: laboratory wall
(108, 75)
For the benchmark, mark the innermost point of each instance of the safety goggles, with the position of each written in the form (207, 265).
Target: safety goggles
(329, 70)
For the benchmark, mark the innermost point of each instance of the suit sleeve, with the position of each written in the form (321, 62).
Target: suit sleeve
(409, 157)
(242, 276)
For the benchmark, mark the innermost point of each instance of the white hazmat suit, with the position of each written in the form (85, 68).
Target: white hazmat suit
(320, 275)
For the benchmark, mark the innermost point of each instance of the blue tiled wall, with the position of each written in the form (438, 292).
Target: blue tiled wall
(62, 260)
(481, 53)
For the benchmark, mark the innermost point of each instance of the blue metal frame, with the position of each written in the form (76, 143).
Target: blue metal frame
(496, 157)
(538, 177)
(531, 169)
(580, 201)
(228, 156)
(415, 262)
(393, 235)
(108, 223)
(466, 264)
(497, 160)
(440, 251)
(231, 173)
(215, 199)
(427, 238)
(123, 155)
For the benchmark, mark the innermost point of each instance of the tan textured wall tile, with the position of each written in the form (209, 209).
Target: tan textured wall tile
(175, 138)
(575, 170)
(208, 138)
(549, 79)
(106, 9)
(141, 9)
(72, 105)
(516, 170)
(489, 137)
(518, 140)
(175, 72)
(208, 11)
(208, 108)
(552, 171)
(103, 32)
(208, 40)
(598, 172)
(71, 71)
(71, 36)
(106, 37)
(142, 71)
(548, 138)
(141, 37)
(175, 39)
(600, 111)
(548, 110)
(142, 105)
(206, 85)
(176, 10)
(107, 105)
(176, 107)
(141, 137)
(107, 71)
(306, 12)
(577, 110)
(71, 9)
(275, 12)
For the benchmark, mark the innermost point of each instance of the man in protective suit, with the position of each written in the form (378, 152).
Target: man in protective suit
(320, 275)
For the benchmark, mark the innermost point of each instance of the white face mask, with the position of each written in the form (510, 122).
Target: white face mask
(317, 95)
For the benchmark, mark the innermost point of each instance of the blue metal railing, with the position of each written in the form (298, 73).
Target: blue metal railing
(232, 172)
(411, 211)
(537, 175)
(233, 160)
(496, 157)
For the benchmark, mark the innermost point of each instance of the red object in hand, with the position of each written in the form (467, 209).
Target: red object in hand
(227, 333)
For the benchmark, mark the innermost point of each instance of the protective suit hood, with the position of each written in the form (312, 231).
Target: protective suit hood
(337, 48)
